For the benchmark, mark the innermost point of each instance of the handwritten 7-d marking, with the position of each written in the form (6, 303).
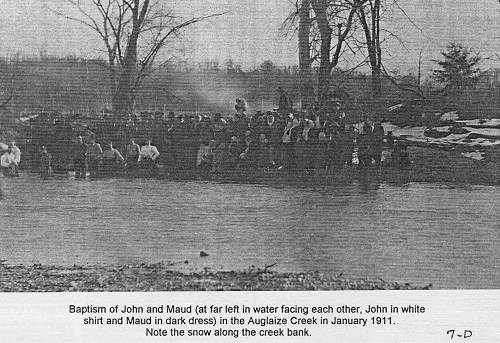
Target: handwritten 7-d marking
(465, 334)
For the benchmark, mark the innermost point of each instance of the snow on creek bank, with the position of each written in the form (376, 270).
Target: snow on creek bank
(475, 139)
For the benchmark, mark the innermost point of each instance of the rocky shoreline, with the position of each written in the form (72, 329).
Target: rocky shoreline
(161, 277)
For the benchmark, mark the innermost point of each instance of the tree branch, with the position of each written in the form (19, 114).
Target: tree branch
(151, 55)
(415, 89)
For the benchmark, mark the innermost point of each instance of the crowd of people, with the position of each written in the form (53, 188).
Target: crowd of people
(282, 139)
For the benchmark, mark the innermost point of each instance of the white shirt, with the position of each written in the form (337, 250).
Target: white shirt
(16, 155)
(6, 160)
(149, 152)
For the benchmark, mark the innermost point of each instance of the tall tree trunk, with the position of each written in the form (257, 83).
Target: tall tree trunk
(372, 35)
(320, 8)
(376, 85)
(125, 91)
(376, 70)
(306, 85)
(112, 76)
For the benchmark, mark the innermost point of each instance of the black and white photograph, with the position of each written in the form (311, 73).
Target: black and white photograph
(231, 145)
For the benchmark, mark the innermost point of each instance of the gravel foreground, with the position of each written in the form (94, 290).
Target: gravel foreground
(160, 277)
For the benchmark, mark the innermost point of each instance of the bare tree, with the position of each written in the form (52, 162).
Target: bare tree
(325, 26)
(411, 87)
(335, 21)
(305, 72)
(300, 21)
(369, 17)
(133, 33)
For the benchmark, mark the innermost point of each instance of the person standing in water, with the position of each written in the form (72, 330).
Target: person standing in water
(6, 162)
(377, 143)
(16, 157)
(94, 156)
(132, 152)
(45, 162)
(112, 160)
(149, 154)
(364, 142)
(79, 158)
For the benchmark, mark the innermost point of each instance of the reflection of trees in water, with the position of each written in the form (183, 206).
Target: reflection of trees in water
(369, 180)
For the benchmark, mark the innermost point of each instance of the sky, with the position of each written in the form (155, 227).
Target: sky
(250, 31)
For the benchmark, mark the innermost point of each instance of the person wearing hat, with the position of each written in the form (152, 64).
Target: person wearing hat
(240, 122)
(285, 104)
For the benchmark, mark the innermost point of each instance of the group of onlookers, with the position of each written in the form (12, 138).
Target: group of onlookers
(281, 139)
(10, 159)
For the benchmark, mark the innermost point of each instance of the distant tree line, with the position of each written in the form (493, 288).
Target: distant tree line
(70, 84)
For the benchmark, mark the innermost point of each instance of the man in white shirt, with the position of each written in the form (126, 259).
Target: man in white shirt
(148, 155)
(148, 151)
(112, 160)
(7, 163)
(15, 153)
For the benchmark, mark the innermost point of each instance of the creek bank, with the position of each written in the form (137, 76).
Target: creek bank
(161, 277)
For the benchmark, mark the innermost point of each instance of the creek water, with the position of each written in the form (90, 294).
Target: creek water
(419, 233)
